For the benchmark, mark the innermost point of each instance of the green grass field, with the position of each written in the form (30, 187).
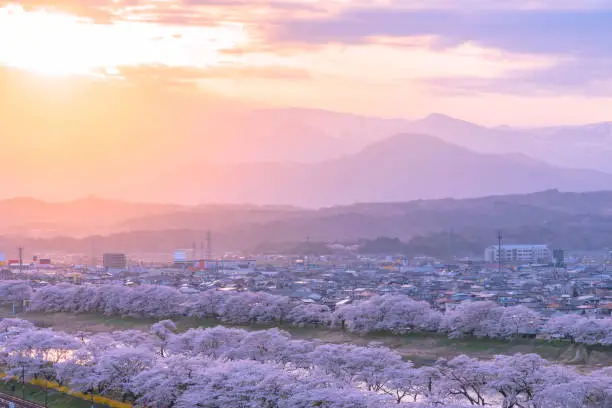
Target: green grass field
(422, 348)
(36, 394)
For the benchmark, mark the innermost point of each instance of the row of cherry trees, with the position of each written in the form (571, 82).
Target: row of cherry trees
(228, 367)
(390, 313)
(15, 290)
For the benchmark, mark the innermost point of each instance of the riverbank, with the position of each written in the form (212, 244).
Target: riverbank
(422, 348)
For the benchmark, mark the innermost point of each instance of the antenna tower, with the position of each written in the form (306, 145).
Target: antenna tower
(208, 244)
(20, 260)
(499, 252)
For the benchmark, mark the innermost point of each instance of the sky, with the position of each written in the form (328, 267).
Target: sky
(493, 62)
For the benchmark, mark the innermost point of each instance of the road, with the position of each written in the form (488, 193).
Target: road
(6, 399)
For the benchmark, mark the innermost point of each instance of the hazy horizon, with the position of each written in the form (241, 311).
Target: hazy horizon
(437, 56)
(301, 103)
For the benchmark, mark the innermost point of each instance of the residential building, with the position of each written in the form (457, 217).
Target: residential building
(558, 257)
(114, 261)
(518, 253)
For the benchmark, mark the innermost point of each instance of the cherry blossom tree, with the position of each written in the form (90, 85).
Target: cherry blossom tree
(371, 366)
(236, 308)
(15, 291)
(471, 319)
(214, 342)
(253, 307)
(465, 377)
(310, 314)
(163, 330)
(594, 391)
(270, 308)
(406, 383)
(144, 301)
(261, 345)
(204, 304)
(36, 353)
(591, 331)
(561, 327)
(391, 313)
(132, 338)
(519, 378)
(238, 384)
(164, 383)
(331, 397)
(221, 367)
(118, 367)
(12, 327)
(398, 314)
(516, 321)
(81, 372)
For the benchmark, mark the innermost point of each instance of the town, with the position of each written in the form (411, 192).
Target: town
(533, 276)
(305, 204)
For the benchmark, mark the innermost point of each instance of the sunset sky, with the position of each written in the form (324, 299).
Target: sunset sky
(522, 62)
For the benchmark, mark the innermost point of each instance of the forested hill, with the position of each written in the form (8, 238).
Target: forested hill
(580, 221)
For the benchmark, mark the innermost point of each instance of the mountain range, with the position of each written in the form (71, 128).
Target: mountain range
(399, 168)
(576, 221)
(87, 216)
(317, 158)
(65, 145)
(576, 146)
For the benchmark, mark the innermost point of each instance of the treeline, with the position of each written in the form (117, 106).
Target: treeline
(443, 245)
(578, 232)
(232, 368)
(390, 313)
(438, 244)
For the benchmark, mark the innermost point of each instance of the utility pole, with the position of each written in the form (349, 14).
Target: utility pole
(93, 253)
(307, 256)
(499, 252)
(20, 260)
(208, 244)
(450, 244)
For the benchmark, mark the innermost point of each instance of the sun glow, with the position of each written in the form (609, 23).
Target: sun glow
(52, 43)
(46, 43)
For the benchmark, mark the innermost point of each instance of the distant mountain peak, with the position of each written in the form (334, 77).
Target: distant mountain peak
(436, 115)
(396, 146)
(524, 159)
(408, 140)
(440, 119)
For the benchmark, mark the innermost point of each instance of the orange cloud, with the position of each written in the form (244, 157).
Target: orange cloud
(164, 75)
(99, 11)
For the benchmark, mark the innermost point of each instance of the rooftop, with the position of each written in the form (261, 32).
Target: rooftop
(520, 246)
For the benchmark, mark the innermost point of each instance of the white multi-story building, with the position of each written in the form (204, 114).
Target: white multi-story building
(518, 253)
